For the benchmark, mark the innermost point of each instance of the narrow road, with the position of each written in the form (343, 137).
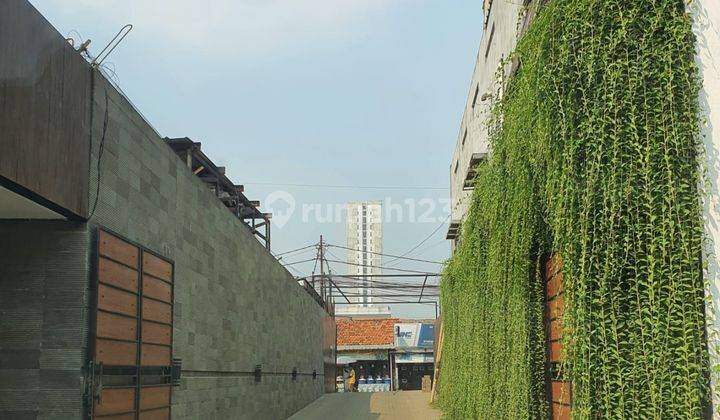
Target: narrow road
(399, 405)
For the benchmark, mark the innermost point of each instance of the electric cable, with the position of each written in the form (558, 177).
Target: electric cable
(298, 249)
(381, 267)
(298, 262)
(423, 241)
(373, 187)
(101, 149)
(385, 255)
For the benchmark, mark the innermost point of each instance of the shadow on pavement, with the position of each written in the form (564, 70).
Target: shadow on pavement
(340, 406)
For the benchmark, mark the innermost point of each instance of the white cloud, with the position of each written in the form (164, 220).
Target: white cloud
(255, 27)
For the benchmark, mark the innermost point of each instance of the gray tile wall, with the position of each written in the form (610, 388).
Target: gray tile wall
(235, 305)
(43, 318)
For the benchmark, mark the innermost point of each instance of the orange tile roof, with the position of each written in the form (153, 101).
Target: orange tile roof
(366, 332)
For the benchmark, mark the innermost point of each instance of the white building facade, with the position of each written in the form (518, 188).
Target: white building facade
(504, 21)
(706, 26)
(364, 242)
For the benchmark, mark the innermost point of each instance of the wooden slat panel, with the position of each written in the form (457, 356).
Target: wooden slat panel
(116, 326)
(561, 412)
(115, 353)
(156, 333)
(157, 267)
(157, 289)
(556, 330)
(44, 110)
(117, 274)
(154, 355)
(159, 414)
(554, 285)
(126, 416)
(557, 306)
(116, 400)
(117, 300)
(561, 392)
(154, 397)
(555, 351)
(156, 311)
(118, 249)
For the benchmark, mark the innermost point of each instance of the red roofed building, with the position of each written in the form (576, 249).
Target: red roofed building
(366, 334)
(385, 353)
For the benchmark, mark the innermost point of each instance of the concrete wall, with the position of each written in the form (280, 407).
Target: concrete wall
(235, 305)
(495, 46)
(43, 318)
(706, 25)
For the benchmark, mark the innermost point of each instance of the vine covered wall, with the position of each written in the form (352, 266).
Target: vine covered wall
(595, 157)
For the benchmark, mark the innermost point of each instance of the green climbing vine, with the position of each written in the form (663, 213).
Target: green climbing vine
(595, 156)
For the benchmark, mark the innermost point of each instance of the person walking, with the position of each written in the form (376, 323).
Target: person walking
(351, 381)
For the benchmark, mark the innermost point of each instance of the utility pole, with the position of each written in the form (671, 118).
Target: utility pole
(322, 268)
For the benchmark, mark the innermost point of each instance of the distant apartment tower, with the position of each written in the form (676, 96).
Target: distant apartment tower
(503, 22)
(364, 243)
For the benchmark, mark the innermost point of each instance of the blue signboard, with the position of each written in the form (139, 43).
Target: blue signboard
(426, 338)
(415, 335)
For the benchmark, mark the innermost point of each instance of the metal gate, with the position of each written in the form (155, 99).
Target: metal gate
(559, 389)
(131, 336)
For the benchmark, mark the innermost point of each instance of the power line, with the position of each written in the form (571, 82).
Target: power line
(367, 187)
(379, 266)
(300, 274)
(298, 262)
(296, 254)
(423, 241)
(331, 253)
(385, 255)
(295, 250)
(353, 280)
(391, 303)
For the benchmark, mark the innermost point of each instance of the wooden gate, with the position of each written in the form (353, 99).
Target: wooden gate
(559, 389)
(131, 341)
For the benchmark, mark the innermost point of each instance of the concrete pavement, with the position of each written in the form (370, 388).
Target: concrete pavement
(399, 405)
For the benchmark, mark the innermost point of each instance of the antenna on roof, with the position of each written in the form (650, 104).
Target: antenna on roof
(110, 47)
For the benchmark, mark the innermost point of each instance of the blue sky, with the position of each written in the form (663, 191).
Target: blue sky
(320, 92)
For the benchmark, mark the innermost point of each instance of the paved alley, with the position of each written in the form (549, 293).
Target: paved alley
(399, 405)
